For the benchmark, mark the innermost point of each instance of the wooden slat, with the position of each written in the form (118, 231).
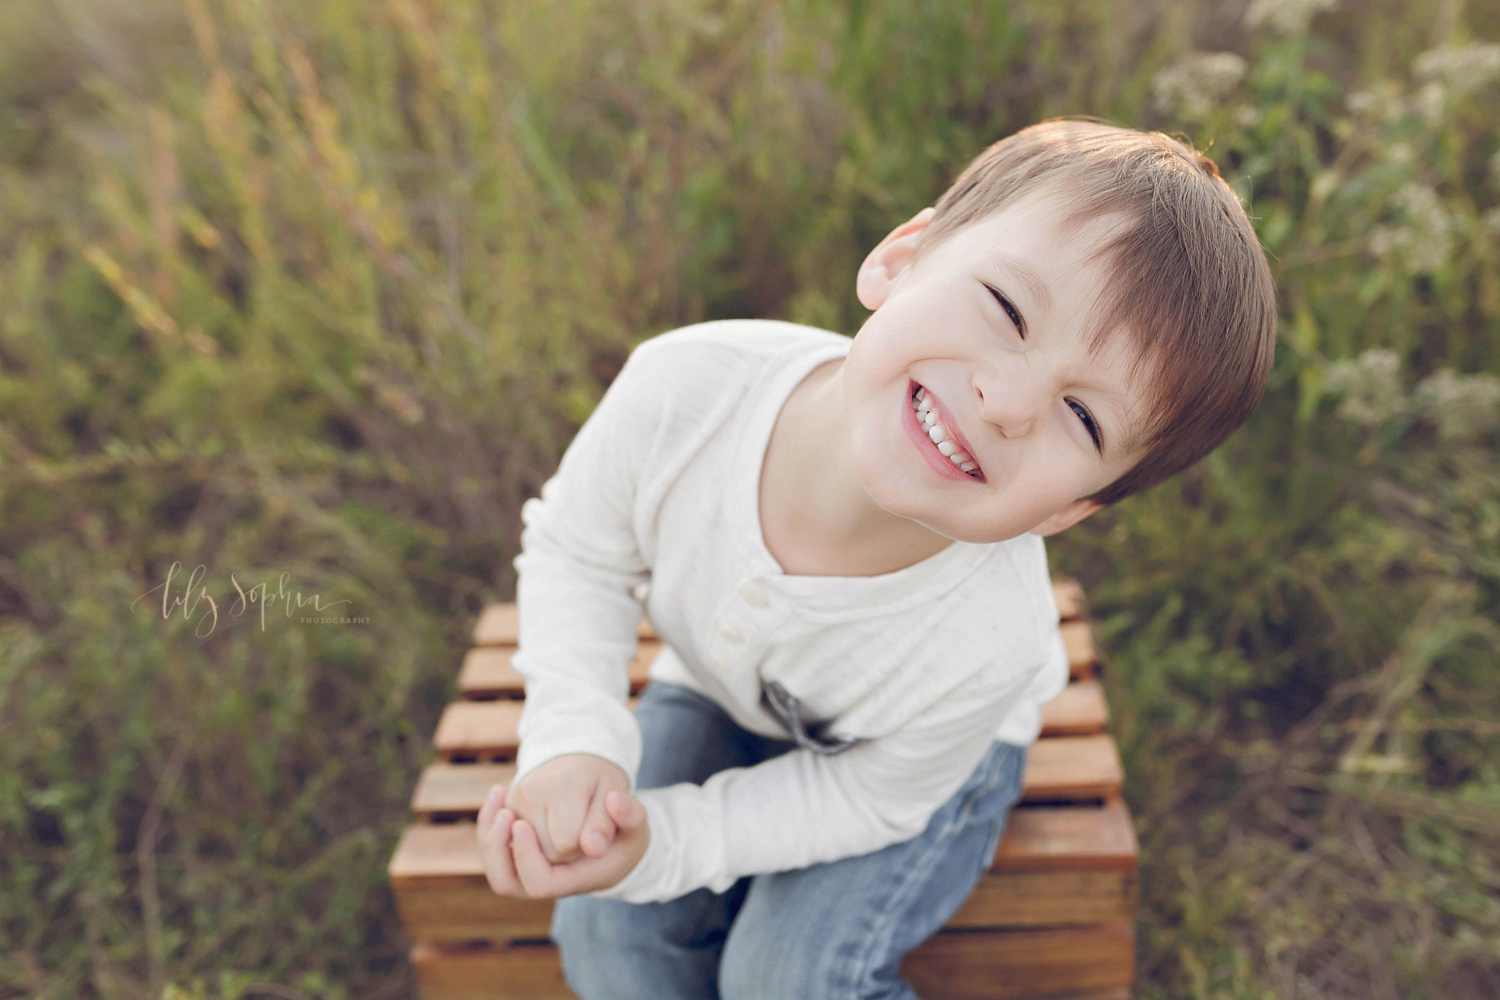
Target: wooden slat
(498, 625)
(457, 788)
(1078, 640)
(1072, 768)
(464, 909)
(487, 673)
(1049, 899)
(1050, 838)
(1029, 963)
(1078, 711)
(478, 728)
(1069, 597)
(442, 895)
(517, 973)
(1091, 962)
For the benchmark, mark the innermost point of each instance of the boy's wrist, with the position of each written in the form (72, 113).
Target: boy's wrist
(542, 748)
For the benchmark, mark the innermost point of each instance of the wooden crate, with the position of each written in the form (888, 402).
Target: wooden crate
(1053, 918)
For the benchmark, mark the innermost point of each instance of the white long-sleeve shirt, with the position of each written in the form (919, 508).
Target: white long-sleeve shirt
(658, 495)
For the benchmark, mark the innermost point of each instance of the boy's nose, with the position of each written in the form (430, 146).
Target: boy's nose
(1012, 404)
(1014, 401)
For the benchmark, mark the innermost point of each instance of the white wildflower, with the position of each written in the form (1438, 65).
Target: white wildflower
(1285, 17)
(1428, 102)
(1421, 240)
(1462, 407)
(1190, 86)
(1464, 69)
(1383, 102)
(1369, 387)
(1429, 223)
(1384, 241)
(1386, 103)
(1363, 101)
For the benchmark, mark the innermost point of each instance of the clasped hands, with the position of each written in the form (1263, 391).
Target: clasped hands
(569, 826)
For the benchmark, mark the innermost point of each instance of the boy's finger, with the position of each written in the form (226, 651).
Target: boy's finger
(495, 850)
(533, 870)
(491, 807)
(558, 837)
(598, 829)
(627, 811)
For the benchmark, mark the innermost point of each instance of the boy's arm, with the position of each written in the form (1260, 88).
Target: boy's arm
(578, 571)
(803, 808)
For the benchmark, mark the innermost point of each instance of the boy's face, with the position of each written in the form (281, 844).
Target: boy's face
(990, 326)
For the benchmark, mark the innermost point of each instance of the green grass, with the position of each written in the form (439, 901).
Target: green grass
(323, 289)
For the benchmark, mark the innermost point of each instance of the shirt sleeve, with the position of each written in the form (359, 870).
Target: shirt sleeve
(578, 572)
(803, 808)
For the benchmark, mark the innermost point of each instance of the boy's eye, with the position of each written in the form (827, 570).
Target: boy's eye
(1010, 310)
(1088, 422)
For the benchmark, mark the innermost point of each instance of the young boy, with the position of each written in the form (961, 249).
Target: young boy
(843, 546)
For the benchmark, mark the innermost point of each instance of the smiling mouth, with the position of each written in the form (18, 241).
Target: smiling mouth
(943, 439)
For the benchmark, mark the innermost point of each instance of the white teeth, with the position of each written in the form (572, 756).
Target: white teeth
(927, 417)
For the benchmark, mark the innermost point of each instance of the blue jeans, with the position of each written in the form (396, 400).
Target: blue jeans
(827, 932)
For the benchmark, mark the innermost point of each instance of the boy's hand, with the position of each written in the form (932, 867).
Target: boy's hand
(515, 866)
(563, 801)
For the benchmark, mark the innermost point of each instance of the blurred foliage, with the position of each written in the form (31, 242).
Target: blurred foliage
(323, 289)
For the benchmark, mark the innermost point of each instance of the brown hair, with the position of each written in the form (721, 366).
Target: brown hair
(1189, 282)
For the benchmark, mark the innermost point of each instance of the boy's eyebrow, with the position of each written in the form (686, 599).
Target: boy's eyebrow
(1029, 276)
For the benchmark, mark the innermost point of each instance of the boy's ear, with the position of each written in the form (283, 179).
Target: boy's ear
(1067, 517)
(889, 260)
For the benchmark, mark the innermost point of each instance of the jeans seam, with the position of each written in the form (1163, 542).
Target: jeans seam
(877, 943)
(991, 781)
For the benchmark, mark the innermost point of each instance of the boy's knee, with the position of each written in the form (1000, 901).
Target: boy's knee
(584, 929)
(789, 964)
(598, 945)
(751, 972)
(623, 951)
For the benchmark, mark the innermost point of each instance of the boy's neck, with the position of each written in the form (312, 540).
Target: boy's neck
(816, 518)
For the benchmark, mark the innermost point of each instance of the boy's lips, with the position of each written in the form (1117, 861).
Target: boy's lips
(925, 444)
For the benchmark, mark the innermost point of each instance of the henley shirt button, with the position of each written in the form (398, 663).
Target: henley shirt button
(731, 634)
(755, 595)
